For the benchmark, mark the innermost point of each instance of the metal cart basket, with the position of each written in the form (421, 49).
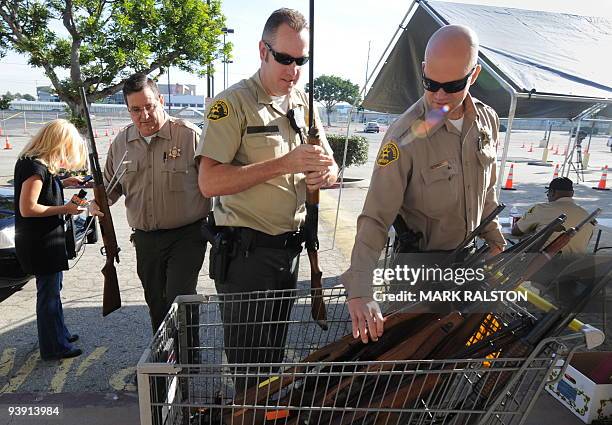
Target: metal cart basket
(184, 377)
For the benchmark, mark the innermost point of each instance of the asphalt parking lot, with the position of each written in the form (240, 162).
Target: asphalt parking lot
(97, 387)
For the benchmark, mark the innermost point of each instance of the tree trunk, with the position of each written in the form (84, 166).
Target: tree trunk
(328, 110)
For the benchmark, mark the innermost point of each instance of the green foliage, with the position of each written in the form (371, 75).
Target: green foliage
(5, 101)
(102, 42)
(330, 89)
(356, 153)
(29, 97)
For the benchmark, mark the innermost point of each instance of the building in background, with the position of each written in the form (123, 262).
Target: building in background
(46, 94)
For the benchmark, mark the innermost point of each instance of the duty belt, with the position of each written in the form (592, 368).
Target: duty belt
(263, 240)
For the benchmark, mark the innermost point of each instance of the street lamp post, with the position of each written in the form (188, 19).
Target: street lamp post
(225, 61)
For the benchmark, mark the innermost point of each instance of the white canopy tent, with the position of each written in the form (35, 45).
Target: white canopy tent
(535, 64)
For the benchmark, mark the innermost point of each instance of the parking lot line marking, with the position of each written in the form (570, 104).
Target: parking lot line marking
(59, 379)
(117, 380)
(21, 375)
(7, 360)
(97, 353)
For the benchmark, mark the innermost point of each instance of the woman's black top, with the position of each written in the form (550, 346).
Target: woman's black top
(40, 242)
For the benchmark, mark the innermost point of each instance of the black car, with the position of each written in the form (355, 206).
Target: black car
(11, 274)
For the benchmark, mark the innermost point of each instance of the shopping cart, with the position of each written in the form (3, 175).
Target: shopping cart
(182, 383)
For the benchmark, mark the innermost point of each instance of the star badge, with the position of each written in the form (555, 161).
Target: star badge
(174, 153)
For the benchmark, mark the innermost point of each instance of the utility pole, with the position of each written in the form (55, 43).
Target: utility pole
(225, 61)
(169, 93)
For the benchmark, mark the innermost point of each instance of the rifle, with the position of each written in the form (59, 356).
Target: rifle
(318, 311)
(110, 249)
(454, 256)
(552, 324)
(461, 325)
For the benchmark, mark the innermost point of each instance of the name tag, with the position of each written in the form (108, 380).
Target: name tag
(262, 129)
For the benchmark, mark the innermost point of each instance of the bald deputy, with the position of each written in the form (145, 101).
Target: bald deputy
(435, 168)
(251, 159)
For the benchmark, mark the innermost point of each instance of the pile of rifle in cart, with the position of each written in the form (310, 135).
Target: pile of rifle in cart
(313, 391)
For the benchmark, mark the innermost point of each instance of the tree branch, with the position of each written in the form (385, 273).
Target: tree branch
(75, 66)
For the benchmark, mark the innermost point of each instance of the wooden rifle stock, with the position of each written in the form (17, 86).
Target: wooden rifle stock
(111, 298)
(345, 349)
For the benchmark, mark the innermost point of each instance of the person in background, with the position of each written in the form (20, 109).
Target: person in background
(39, 226)
(560, 193)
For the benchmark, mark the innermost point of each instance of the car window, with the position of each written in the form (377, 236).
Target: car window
(6, 207)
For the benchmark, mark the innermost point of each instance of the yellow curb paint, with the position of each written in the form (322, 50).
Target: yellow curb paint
(117, 380)
(91, 359)
(7, 360)
(21, 375)
(347, 223)
(59, 379)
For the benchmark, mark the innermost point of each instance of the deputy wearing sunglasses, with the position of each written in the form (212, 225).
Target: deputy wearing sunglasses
(252, 160)
(439, 156)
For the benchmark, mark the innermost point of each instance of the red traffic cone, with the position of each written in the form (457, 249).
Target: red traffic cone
(530, 148)
(509, 180)
(556, 172)
(7, 144)
(602, 180)
(0, 131)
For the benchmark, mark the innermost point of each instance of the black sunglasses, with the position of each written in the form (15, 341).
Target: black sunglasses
(284, 58)
(449, 87)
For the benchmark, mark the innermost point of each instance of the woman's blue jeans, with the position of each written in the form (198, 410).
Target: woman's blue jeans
(52, 332)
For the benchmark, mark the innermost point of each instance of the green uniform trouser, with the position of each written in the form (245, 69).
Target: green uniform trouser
(246, 338)
(168, 264)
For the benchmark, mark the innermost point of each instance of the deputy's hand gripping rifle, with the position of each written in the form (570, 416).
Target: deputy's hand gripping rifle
(112, 298)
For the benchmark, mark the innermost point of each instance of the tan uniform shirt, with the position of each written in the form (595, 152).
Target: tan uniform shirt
(161, 182)
(441, 181)
(244, 127)
(540, 215)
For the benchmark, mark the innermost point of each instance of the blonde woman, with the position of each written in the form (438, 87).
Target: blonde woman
(39, 226)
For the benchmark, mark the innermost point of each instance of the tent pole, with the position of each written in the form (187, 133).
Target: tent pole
(569, 142)
(346, 141)
(400, 27)
(348, 124)
(565, 98)
(501, 173)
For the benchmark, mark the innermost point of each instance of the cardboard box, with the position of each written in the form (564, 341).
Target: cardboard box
(586, 387)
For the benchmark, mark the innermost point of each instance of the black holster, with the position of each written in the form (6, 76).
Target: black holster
(406, 239)
(223, 248)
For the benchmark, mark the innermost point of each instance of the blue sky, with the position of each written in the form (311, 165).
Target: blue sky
(343, 29)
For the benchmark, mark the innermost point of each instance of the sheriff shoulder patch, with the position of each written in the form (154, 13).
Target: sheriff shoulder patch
(388, 154)
(218, 110)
